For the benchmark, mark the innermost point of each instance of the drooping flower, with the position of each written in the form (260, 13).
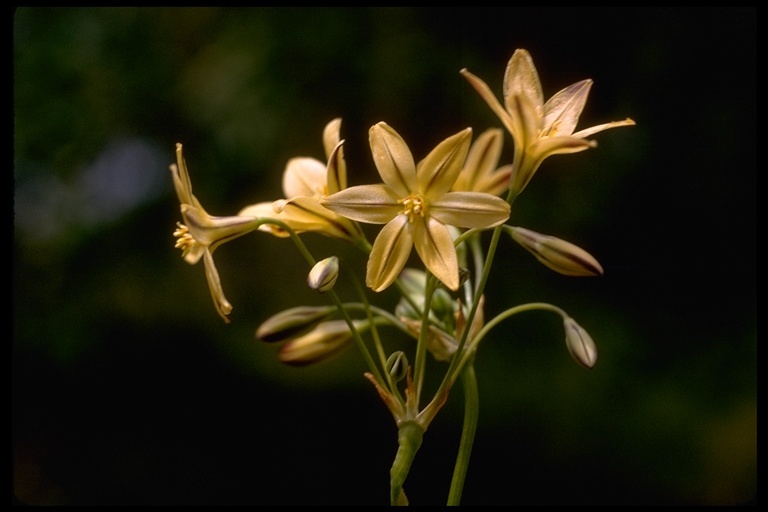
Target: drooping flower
(201, 233)
(481, 172)
(416, 205)
(305, 181)
(538, 129)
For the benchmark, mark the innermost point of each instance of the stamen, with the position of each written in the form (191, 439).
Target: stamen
(413, 205)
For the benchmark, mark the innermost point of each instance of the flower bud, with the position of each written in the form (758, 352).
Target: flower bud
(323, 275)
(557, 254)
(397, 365)
(325, 340)
(579, 343)
(292, 322)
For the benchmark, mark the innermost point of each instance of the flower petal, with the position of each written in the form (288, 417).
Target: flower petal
(223, 307)
(213, 231)
(389, 253)
(437, 173)
(376, 204)
(470, 210)
(265, 210)
(435, 246)
(482, 159)
(393, 159)
(485, 92)
(521, 77)
(304, 176)
(306, 214)
(615, 124)
(562, 111)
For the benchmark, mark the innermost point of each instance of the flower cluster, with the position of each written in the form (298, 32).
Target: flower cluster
(439, 206)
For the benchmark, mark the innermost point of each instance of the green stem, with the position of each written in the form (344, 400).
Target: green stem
(471, 411)
(409, 437)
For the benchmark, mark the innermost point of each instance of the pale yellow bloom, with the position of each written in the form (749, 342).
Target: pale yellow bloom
(201, 233)
(416, 206)
(305, 181)
(539, 129)
(481, 172)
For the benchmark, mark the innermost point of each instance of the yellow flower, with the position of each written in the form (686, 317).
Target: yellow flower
(481, 172)
(305, 181)
(416, 206)
(201, 233)
(539, 129)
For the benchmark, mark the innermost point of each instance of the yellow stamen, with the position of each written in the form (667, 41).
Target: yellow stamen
(413, 205)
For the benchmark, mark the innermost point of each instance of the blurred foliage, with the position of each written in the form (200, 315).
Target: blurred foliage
(127, 387)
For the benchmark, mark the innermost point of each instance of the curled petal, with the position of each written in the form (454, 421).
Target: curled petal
(389, 253)
(375, 204)
(434, 244)
(393, 159)
(470, 210)
(223, 307)
(595, 129)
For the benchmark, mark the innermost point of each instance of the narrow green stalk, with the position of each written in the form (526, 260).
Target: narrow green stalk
(409, 437)
(469, 428)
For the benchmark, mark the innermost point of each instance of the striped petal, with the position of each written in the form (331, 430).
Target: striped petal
(393, 159)
(375, 204)
(389, 253)
(434, 245)
(470, 210)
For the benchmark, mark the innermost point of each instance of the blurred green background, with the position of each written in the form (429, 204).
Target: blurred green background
(129, 389)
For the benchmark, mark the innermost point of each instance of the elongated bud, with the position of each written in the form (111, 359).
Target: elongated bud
(292, 322)
(559, 255)
(325, 340)
(323, 275)
(580, 343)
(397, 365)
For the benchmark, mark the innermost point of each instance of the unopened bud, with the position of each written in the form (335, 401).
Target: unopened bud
(397, 365)
(580, 343)
(325, 340)
(559, 255)
(292, 322)
(323, 275)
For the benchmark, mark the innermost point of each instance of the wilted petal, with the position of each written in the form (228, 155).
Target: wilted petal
(376, 204)
(393, 159)
(434, 244)
(470, 210)
(437, 173)
(389, 253)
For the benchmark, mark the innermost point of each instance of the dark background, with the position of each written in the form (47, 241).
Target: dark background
(129, 389)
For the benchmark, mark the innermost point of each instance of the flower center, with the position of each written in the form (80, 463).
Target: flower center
(413, 205)
(185, 241)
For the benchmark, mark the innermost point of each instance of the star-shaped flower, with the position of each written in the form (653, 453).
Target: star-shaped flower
(201, 233)
(305, 181)
(539, 129)
(416, 205)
